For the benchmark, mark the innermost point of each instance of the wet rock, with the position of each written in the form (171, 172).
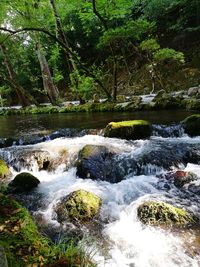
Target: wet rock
(29, 159)
(4, 170)
(23, 182)
(180, 178)
(80, 206)
(161, 213)
(136, 129)
(160, 94)
(192, 125)
(192, 91)
(97, 163)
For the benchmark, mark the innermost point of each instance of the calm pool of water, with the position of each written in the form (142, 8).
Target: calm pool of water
(23, 125)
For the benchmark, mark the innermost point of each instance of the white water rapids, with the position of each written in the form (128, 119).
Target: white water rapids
(128, 243)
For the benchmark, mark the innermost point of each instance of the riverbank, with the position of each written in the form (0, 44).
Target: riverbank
(137, 103)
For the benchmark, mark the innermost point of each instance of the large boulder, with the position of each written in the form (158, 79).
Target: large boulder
(4, 170)
(96, 162)
(135, 129)
(163, 214)
(191, 125)
(79, 206)
(23, 182)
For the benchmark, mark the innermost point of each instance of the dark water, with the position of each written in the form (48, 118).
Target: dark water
(23, 125)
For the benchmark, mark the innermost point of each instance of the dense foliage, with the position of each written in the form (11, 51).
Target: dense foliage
(54, 50)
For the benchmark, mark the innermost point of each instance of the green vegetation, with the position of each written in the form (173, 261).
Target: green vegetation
(135, 129)
(192, 125)
(24, 246)
(79, 205)
(4, 170)
(56, 51)
(160, 213)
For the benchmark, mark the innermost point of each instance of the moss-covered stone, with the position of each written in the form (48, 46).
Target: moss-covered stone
(24, 246)
(167, 102)
(4, 170)
(19, 236)
(160, 213)
(80, 205)
(192, 125)
(23, 182)
(191, 104)
(135, 129)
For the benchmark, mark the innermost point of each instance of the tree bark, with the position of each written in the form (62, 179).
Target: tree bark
(64, 47)
(24, 101)
(114, 74)
(48, 84)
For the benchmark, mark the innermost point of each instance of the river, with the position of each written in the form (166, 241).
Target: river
(23, 125)
(118, 239)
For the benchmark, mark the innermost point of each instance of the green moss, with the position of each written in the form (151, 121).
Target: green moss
(135, 129)
(90, 150)
(25, 246)
(80, 205)
(4, 170)
(23, 182)
(128, 123)
(191, 104)
(192, 125)
(160, 213)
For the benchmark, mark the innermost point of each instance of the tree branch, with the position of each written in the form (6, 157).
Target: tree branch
(63, 45)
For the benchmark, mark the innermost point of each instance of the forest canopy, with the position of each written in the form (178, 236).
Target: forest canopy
(57, 50)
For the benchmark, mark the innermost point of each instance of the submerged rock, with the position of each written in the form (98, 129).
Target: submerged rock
(23, 182)
(96, 162)
(161, 213)
(135, 129)
(4, 170)
(80, 205)
(192, 125)
(180, 178)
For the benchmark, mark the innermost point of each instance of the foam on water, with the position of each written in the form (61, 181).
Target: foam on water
(130, 244)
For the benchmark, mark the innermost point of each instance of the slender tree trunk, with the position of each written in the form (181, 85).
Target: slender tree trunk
(24, 101)
(114, 74)
(48, 84)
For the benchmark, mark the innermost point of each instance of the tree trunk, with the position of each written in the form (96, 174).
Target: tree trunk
(24, 101)
(105, 25)
(48, 84)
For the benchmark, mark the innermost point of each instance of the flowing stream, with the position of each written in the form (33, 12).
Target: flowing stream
(118, 238)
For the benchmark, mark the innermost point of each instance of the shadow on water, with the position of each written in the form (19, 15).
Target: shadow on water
(24, 125)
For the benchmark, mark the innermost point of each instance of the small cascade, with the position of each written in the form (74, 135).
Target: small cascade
(175, 130)
(141, 169)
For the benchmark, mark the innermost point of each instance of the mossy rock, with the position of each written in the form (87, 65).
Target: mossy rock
(191, 125)
(167, 102)
(135, 129)
(4, 170)
(161, 213)
(19, 236)
(191, 104)
(80, 206)
(23, 182)
(23, 244)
